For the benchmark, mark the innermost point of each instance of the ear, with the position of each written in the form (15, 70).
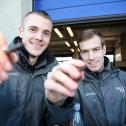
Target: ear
(104, 49)
(21, 30)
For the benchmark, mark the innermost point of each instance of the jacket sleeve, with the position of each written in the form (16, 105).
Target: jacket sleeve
(59, 114)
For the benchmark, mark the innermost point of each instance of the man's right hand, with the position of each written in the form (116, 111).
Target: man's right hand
(62, 81)
(6, 60)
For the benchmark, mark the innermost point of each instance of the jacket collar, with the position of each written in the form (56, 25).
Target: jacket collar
(108, 69)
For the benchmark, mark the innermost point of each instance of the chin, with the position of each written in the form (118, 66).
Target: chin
(36, 54)
(93, 69)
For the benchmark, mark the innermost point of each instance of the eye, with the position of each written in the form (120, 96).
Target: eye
(33, 30)
(84, 51)
(46, 33)
(96, 49)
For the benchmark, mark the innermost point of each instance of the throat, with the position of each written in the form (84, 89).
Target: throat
(33, 59)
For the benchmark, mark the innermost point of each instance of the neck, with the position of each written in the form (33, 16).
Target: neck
(33, 59)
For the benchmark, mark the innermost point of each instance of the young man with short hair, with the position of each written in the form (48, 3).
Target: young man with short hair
(22, 89)
(101, 90)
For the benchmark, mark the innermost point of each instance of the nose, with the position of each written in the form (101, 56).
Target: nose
(91, 55)
(39, 36)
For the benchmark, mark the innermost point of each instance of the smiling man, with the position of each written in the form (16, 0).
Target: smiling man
(102, 91)
(35, 33)
(92, 50)
(22, 91)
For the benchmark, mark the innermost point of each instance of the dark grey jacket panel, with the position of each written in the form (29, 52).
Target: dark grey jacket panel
(22, 95)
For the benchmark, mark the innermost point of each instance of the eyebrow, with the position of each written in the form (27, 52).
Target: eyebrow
(33, 27)
(91, 48)
(37, 27)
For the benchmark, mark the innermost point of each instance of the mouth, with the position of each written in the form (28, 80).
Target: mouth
(93, 64)
(36, 45)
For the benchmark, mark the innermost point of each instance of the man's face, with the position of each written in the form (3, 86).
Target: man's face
(36, 34)
(92, 53)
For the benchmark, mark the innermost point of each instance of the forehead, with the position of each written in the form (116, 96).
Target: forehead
(38, 21)
(93, 42)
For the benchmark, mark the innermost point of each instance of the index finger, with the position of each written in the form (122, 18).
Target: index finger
(3, 43)
(5, 63)
(72, 68)
(77, 63)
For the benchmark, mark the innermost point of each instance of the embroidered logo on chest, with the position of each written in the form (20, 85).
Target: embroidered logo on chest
(121, 90)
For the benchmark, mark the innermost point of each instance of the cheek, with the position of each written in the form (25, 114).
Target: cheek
(101, 56)
(85, 60)
(24, 36)
(82, 57)
(47, 41)
(27, 37)
(25, 41)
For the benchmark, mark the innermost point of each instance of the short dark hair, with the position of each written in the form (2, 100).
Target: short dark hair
(40, 13)
(88, 34)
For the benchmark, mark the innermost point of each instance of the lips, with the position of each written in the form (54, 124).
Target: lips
(36, 45)
(93, 64)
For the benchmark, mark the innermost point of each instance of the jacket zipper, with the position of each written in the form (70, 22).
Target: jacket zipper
(101, 82)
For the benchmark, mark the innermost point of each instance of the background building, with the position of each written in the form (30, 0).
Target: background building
(12, 12)
(107, 16)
